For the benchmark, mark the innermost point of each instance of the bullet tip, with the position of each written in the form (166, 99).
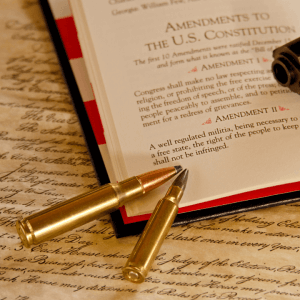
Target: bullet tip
(178, 169)
(153, 179)
(181, 180)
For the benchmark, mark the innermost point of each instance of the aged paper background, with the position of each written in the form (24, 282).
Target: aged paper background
(43, 160)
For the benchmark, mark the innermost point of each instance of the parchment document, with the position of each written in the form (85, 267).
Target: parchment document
(43, 160)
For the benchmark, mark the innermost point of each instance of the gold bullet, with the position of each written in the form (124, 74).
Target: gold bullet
(156, 230)
(89, 206)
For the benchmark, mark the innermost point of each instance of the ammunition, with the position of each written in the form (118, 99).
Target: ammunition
(156, 230)
(84, 208)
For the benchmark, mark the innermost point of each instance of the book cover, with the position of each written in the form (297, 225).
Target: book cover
(251, 199)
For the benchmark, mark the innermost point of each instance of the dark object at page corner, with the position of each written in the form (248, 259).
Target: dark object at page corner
(78, 104)
(286, 65)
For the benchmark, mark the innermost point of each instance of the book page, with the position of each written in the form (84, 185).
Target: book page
(245, 256)
(190, 83)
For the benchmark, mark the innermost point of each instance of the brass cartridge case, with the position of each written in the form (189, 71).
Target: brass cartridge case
(86, 207)
(77, 211)
(155, 232)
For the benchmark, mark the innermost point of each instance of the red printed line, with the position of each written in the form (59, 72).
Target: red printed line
(68, 33)
(93, 114)
(270, 191)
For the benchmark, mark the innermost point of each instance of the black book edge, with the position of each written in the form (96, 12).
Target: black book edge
(121, 229)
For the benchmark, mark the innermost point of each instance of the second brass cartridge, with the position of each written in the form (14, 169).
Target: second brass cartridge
(156, 230)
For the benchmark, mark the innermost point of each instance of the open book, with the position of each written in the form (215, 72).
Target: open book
(190, 83)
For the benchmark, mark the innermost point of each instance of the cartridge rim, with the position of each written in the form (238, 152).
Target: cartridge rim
(133, 274)
(24, 233)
